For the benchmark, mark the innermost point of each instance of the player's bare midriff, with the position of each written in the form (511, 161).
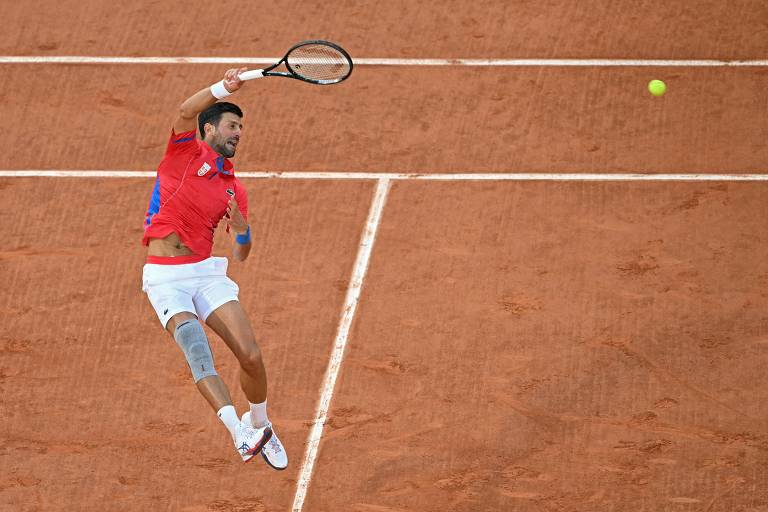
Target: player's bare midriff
(171, 245)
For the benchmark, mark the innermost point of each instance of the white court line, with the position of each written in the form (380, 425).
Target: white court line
(350, 305)
(405, 176)
(84, 59)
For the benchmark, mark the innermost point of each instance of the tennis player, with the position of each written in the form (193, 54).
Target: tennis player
(195, 189)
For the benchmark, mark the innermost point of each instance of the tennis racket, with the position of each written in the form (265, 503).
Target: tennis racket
(316, 62)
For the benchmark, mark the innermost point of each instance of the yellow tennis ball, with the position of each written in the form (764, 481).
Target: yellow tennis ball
(657, 87)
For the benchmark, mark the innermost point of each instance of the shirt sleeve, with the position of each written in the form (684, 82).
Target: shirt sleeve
(180, 143)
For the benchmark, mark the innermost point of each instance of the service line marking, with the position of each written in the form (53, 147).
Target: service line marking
(337, 355)
(507, 176)
(85, 59)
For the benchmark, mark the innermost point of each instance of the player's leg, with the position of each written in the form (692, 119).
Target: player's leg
(190, 336)
(217, 305)
(171, 290)
(231, 323)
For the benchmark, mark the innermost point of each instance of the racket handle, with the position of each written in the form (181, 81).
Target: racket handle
(251, 74)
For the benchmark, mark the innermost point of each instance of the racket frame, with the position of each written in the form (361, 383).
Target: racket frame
(258, 73)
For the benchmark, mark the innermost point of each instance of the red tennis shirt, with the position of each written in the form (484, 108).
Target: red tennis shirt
(191, 191)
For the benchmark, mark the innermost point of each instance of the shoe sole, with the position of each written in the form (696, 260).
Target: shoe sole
(266, 437)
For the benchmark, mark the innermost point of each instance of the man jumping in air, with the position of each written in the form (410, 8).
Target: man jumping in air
(196, 188)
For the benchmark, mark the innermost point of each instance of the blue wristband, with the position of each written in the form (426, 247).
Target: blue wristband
(244, 238)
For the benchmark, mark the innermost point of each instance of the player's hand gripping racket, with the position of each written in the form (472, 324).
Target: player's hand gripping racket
(316, 62)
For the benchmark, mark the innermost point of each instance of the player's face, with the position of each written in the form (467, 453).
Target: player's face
(226, 136)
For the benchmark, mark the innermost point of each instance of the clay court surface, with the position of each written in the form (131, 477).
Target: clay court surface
(518, 345)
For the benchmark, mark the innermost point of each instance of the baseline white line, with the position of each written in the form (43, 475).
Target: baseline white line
(405, 176)
(350, 305)
(84, 59)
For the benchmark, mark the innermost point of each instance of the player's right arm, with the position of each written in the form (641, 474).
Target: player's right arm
(202, 99)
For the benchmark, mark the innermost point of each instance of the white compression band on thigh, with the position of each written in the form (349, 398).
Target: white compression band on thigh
(190, 336)
(219, 91)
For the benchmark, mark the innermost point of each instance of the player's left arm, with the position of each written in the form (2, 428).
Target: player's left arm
(238, 226)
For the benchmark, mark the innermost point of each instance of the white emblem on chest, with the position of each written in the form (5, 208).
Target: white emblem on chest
(203, 169)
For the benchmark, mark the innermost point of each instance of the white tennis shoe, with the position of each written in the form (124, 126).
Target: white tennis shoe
(273, 451)
(249, 440)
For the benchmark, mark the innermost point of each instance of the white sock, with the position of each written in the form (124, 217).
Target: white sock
(228, 416)
(259, 414)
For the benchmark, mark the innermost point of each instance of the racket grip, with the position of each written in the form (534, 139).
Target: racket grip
(251, 74)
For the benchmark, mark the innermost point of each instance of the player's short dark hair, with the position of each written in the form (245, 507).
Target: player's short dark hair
(213, 114)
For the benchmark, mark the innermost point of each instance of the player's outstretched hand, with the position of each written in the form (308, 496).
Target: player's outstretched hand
(235, 219)
(232, 81)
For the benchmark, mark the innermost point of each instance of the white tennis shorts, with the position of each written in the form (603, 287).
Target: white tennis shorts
(198, 288)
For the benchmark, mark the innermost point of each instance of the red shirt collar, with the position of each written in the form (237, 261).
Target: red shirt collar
(223, 164)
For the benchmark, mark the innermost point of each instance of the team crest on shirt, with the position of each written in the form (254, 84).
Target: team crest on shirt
(203, 169)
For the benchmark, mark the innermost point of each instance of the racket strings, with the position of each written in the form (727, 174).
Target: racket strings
(319, 62)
